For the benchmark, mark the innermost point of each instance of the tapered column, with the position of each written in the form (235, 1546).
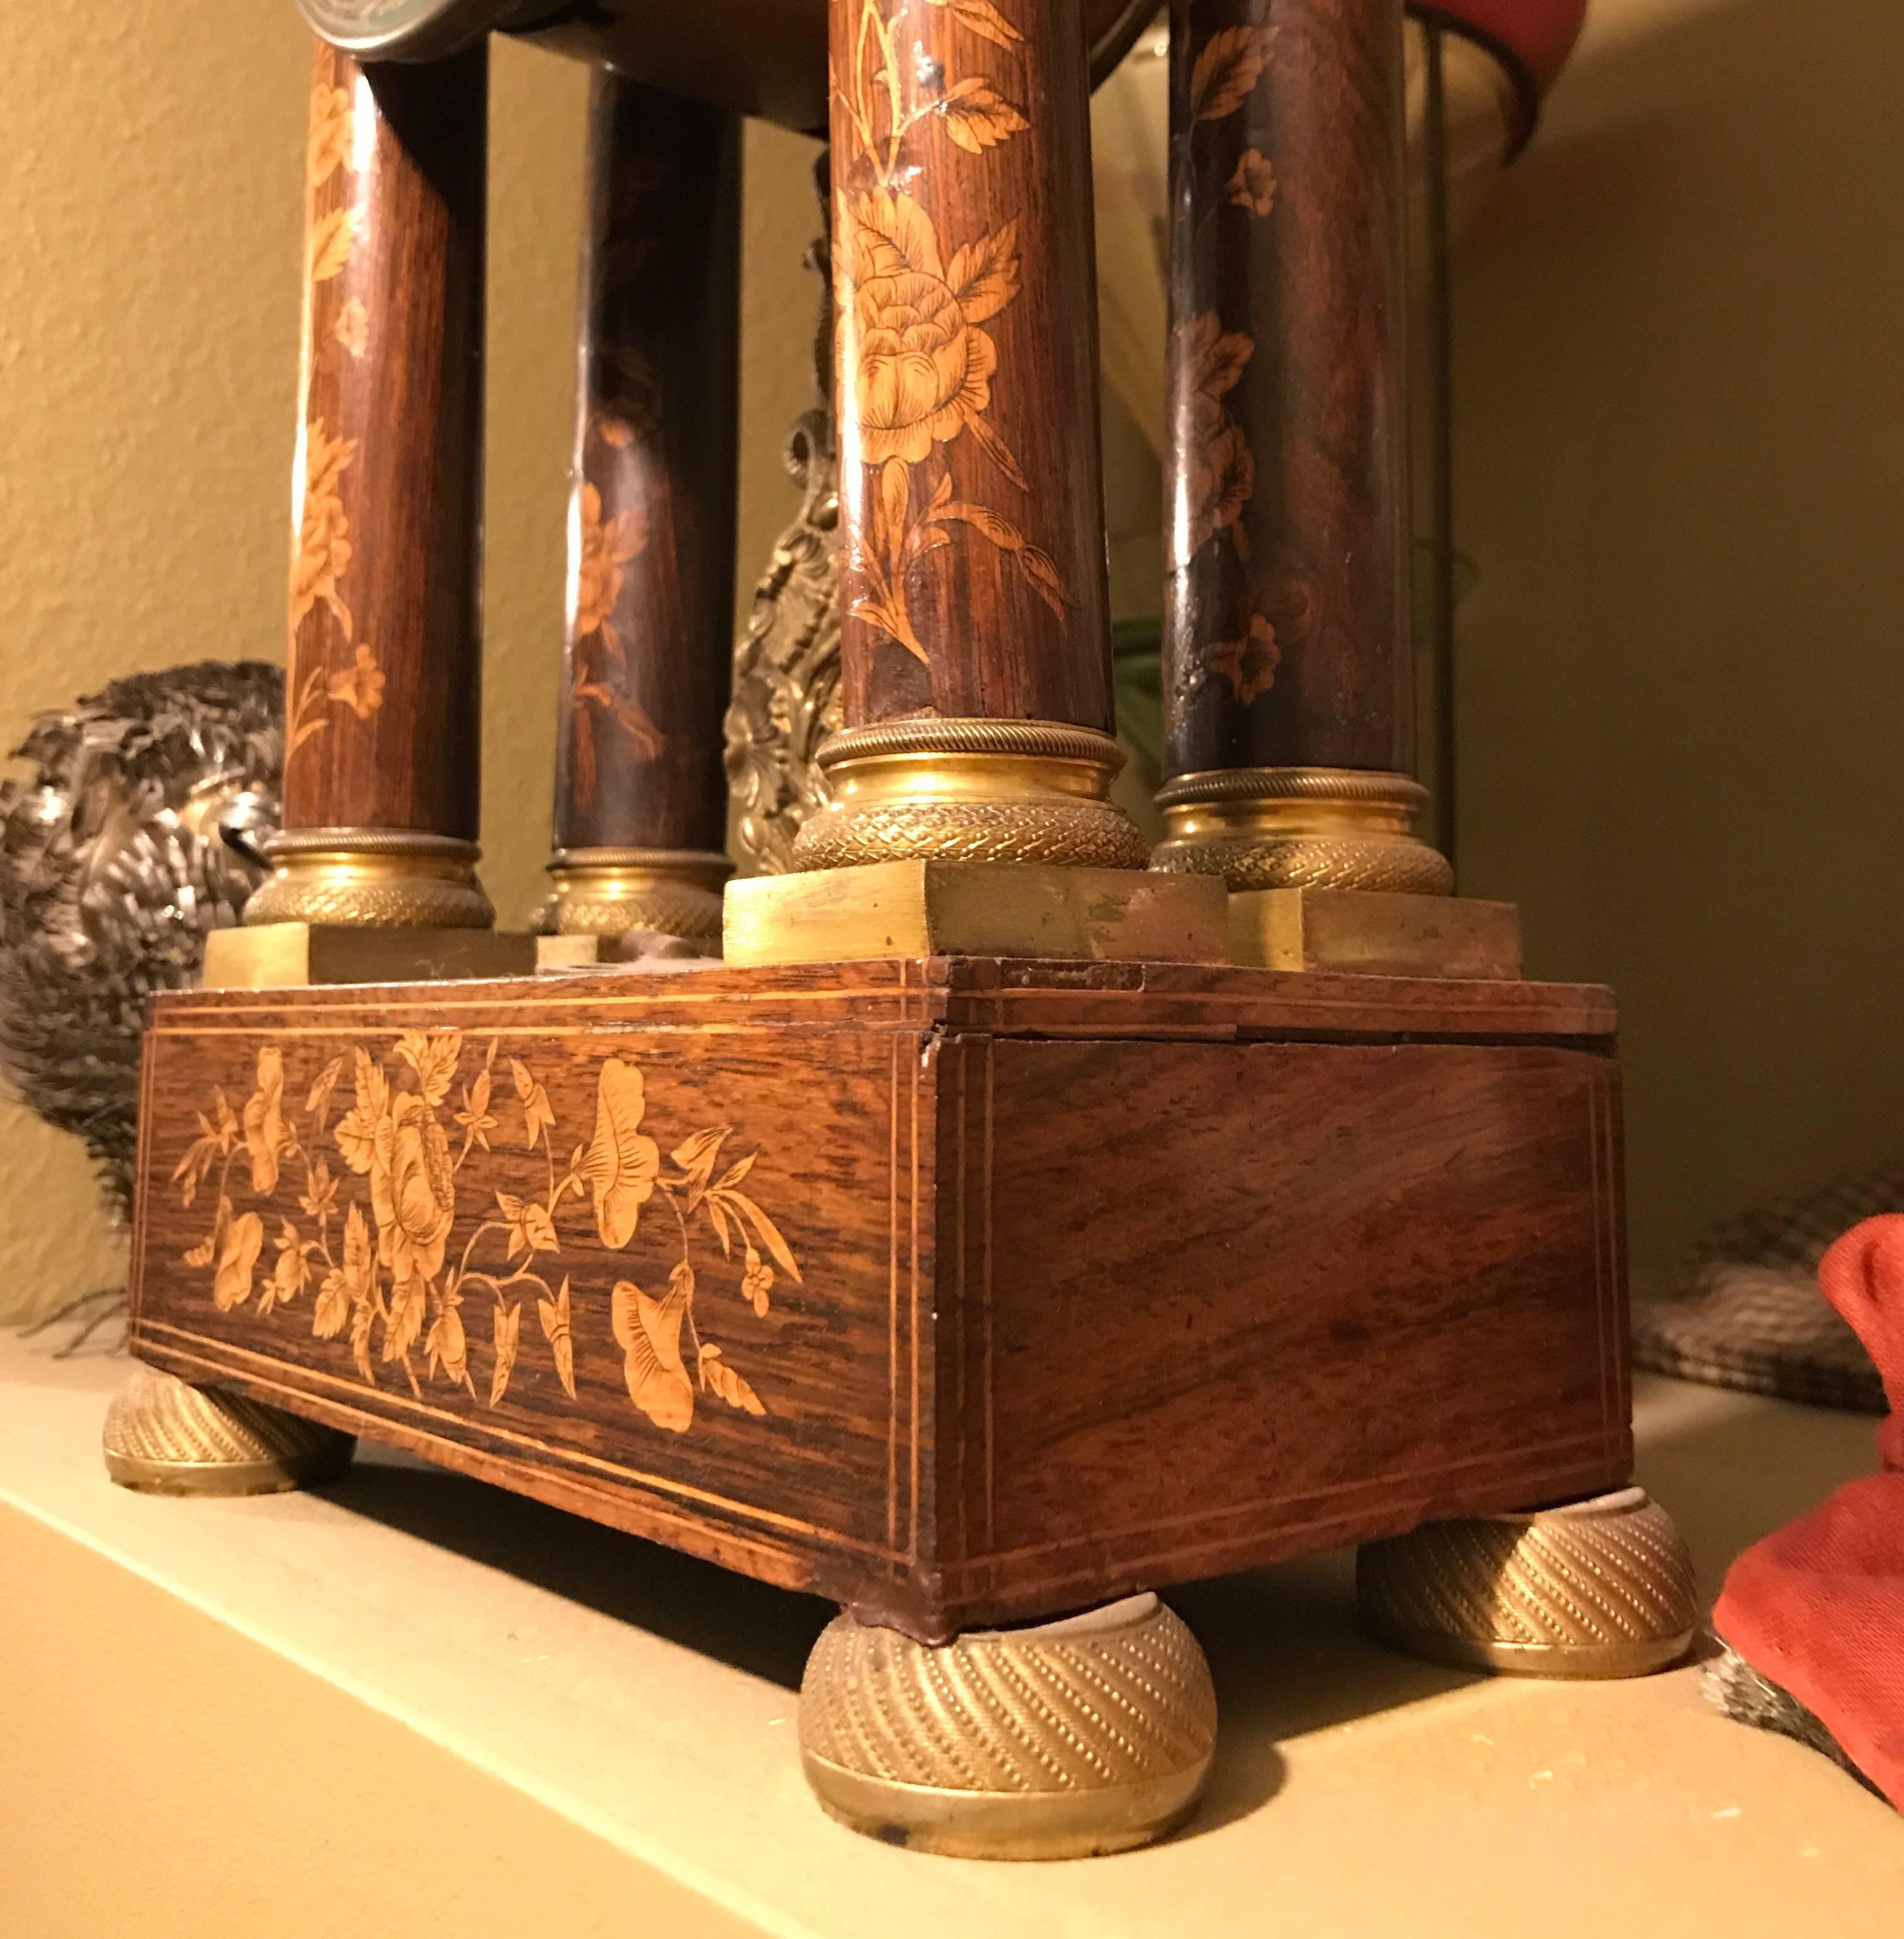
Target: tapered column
(383, 708)
(641, 795)
(1287, 670)
(976, 650)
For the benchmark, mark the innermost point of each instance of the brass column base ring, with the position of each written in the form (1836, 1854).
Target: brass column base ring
(165, 1437)
(1300, 828)
(1600, 1589)
(1067, 1740)
(949, 790)
(372, 879)
(611, 891)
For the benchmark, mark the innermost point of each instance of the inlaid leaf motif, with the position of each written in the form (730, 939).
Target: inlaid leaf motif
(329, 147)
(977, 117)
(984, 20)
(715, 1373)
(244, 1240)
(207, 1250)
(331, 238)
(352, 328)
(695, 1159)
(1228, 69)
(508, 1329)
(357, 1130)
(621, 1164)
(536, 1116)
(290, 1273)
(983, 275)
(531, 1228)
(409, 1302)
(433, 1055)
(554, 1315)
(648, 1331)
(447, 1345)
(1254, 185)
(317, 1100)
(323, 550)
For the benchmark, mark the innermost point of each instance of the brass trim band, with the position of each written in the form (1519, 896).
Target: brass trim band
(1300, 828)
(610, 891)
(372, 879)
(970, 790)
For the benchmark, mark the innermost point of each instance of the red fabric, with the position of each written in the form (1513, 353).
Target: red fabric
(1539, 33)
(1819, 1607)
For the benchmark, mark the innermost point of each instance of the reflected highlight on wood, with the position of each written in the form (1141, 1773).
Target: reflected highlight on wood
(1286, 622)
(651, 519)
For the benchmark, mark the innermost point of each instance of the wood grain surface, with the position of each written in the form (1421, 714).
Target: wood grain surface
(647, 664)
(1286, 603)
(957, 1291)
(972, 517)
(383, 690)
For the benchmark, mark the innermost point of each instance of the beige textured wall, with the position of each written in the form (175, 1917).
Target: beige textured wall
(150, 196)
(1681, 477)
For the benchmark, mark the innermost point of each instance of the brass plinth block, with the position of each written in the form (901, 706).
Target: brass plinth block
(607, 892)
(366, 877)
(1597, 1589)
(975, 908)
(1366, 932)
(1300, 828)
(1017, 791)
(298, 955)
(1079, 1737)
(165, 1437)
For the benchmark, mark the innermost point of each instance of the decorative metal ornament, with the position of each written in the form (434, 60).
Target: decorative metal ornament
(1087, 1736)
(1602, 1588)
(165, 1436)
(116, 860)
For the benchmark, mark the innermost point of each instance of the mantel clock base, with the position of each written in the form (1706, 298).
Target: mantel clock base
(966, 1291)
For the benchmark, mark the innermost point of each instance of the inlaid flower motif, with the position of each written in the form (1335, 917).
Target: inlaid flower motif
(329, 146)
(413, 1189)
(621, 1164)
(1249, 664)
(608, 545)
(1254, 185)
(323, 548)
(648, 1331)
(360, 686)
(921, 367)
(244, 1240)
(265, 1136)
(352, 328)
(1220, 471)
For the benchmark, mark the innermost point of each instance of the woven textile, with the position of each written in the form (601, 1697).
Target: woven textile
(1745, 1310)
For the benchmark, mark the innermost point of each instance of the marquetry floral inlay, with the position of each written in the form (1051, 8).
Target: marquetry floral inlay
(380, 1260)
(321, 550)
(918, 363)
(1217, 481)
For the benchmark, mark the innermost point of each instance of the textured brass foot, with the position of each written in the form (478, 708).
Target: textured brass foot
(165, 1436)
(371, 878)
(1075, 1738)
(1299, 828)
(1599, 1588)
(607, 892)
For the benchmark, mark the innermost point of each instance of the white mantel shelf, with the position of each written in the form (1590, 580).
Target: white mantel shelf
(416, 1705)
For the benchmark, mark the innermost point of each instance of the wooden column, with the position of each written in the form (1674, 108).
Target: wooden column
(640, 794)
(976, 647)
(1288, 676)
(383, 704)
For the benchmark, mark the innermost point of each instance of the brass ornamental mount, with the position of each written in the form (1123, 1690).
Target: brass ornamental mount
(374, 879)
(973, 790)
(610, 891)
(1300, 828)
(165, 1436)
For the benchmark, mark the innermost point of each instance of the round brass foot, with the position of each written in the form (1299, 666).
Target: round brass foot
(610, 891)
(1073, 1739)
(372, 879)
(165, 1437)
(1599, 1588)
(1300, 828)
(948, 790)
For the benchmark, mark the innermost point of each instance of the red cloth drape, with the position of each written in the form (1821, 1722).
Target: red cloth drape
(1819, 1607)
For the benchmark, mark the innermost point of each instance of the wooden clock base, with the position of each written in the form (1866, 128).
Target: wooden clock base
(964, 1292)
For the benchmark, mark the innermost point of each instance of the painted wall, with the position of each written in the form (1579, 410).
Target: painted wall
(1681, 480)
(150, 185)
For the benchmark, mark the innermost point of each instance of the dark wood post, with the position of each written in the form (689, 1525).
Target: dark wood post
(640, 794)
(382, 694)
(976, 646)
(1288, 678)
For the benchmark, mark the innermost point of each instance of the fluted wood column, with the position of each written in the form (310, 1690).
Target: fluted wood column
(976, 650)
(640, 794)
(383, 704)
(1288, 675)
